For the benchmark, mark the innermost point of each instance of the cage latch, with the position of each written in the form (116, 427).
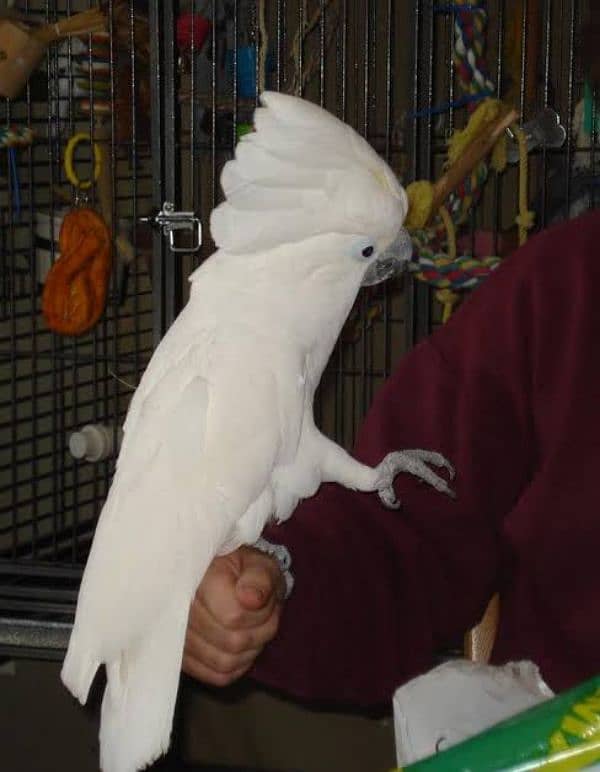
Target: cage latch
(171, 221)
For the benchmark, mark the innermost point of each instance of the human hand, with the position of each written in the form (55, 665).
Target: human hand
(234, 614)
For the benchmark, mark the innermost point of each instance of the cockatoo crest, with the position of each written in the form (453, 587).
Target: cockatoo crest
(278, 192)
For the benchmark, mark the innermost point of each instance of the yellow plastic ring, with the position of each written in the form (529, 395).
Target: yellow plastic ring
(69, 167)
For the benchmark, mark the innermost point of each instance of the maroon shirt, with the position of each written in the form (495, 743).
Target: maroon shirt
(509, 391)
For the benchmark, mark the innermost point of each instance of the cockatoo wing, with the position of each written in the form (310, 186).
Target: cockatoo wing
(192, 469)
(133, 603)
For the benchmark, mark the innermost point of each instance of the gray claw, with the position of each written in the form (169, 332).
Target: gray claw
(450, 469)
(434, 458)
(389, 499)
(414, 462)
(441, 486)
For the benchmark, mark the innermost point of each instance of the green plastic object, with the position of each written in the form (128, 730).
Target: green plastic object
(561, 734)
(243, 128)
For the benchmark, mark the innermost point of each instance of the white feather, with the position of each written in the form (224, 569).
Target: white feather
(346, 187)
(255, 165)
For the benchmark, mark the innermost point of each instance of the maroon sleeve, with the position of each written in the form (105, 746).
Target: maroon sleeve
(378, 592)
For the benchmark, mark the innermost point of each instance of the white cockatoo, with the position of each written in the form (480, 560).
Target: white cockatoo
(220, 436)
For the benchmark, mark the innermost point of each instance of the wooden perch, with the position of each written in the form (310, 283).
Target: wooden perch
(475, 152)
(84, 23)
(22, 48)
(426, 198)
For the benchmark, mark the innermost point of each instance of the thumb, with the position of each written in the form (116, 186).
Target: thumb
(259, 580)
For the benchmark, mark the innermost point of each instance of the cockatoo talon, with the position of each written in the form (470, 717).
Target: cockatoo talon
(414, 462)
(450, 469)
(389, 499)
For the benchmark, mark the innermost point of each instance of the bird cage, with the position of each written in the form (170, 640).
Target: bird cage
(133, 116)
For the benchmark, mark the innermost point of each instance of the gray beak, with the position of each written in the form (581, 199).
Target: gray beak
(390, 262)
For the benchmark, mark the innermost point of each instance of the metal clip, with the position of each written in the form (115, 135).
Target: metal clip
(171, 221)
(545, 130)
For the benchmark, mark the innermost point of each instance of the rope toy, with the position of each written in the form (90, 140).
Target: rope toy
(453, 196)
(15, 136)
(469, 50)
(462, 273)
(470, 26)
(482, 134)
(74, 294)
(449, 274)
(525, 218)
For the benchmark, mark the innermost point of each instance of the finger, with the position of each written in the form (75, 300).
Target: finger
(216, 600)
(232, 639)
(256, 588)
(261, 582)
(215, 658)
(200, 672)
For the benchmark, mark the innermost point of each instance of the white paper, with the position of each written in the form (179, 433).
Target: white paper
(458, 700)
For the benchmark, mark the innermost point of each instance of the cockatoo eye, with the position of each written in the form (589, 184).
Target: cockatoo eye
(362, 248)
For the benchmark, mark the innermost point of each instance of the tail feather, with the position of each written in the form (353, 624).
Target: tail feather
(139, 701)
(79, 668)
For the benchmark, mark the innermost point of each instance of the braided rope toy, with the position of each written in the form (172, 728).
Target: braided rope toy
(453, 199)
(470, 26)
(469, 49)
(15, 136)
(446, 271)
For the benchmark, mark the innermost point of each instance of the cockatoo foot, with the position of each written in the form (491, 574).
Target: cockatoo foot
(414, 462)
